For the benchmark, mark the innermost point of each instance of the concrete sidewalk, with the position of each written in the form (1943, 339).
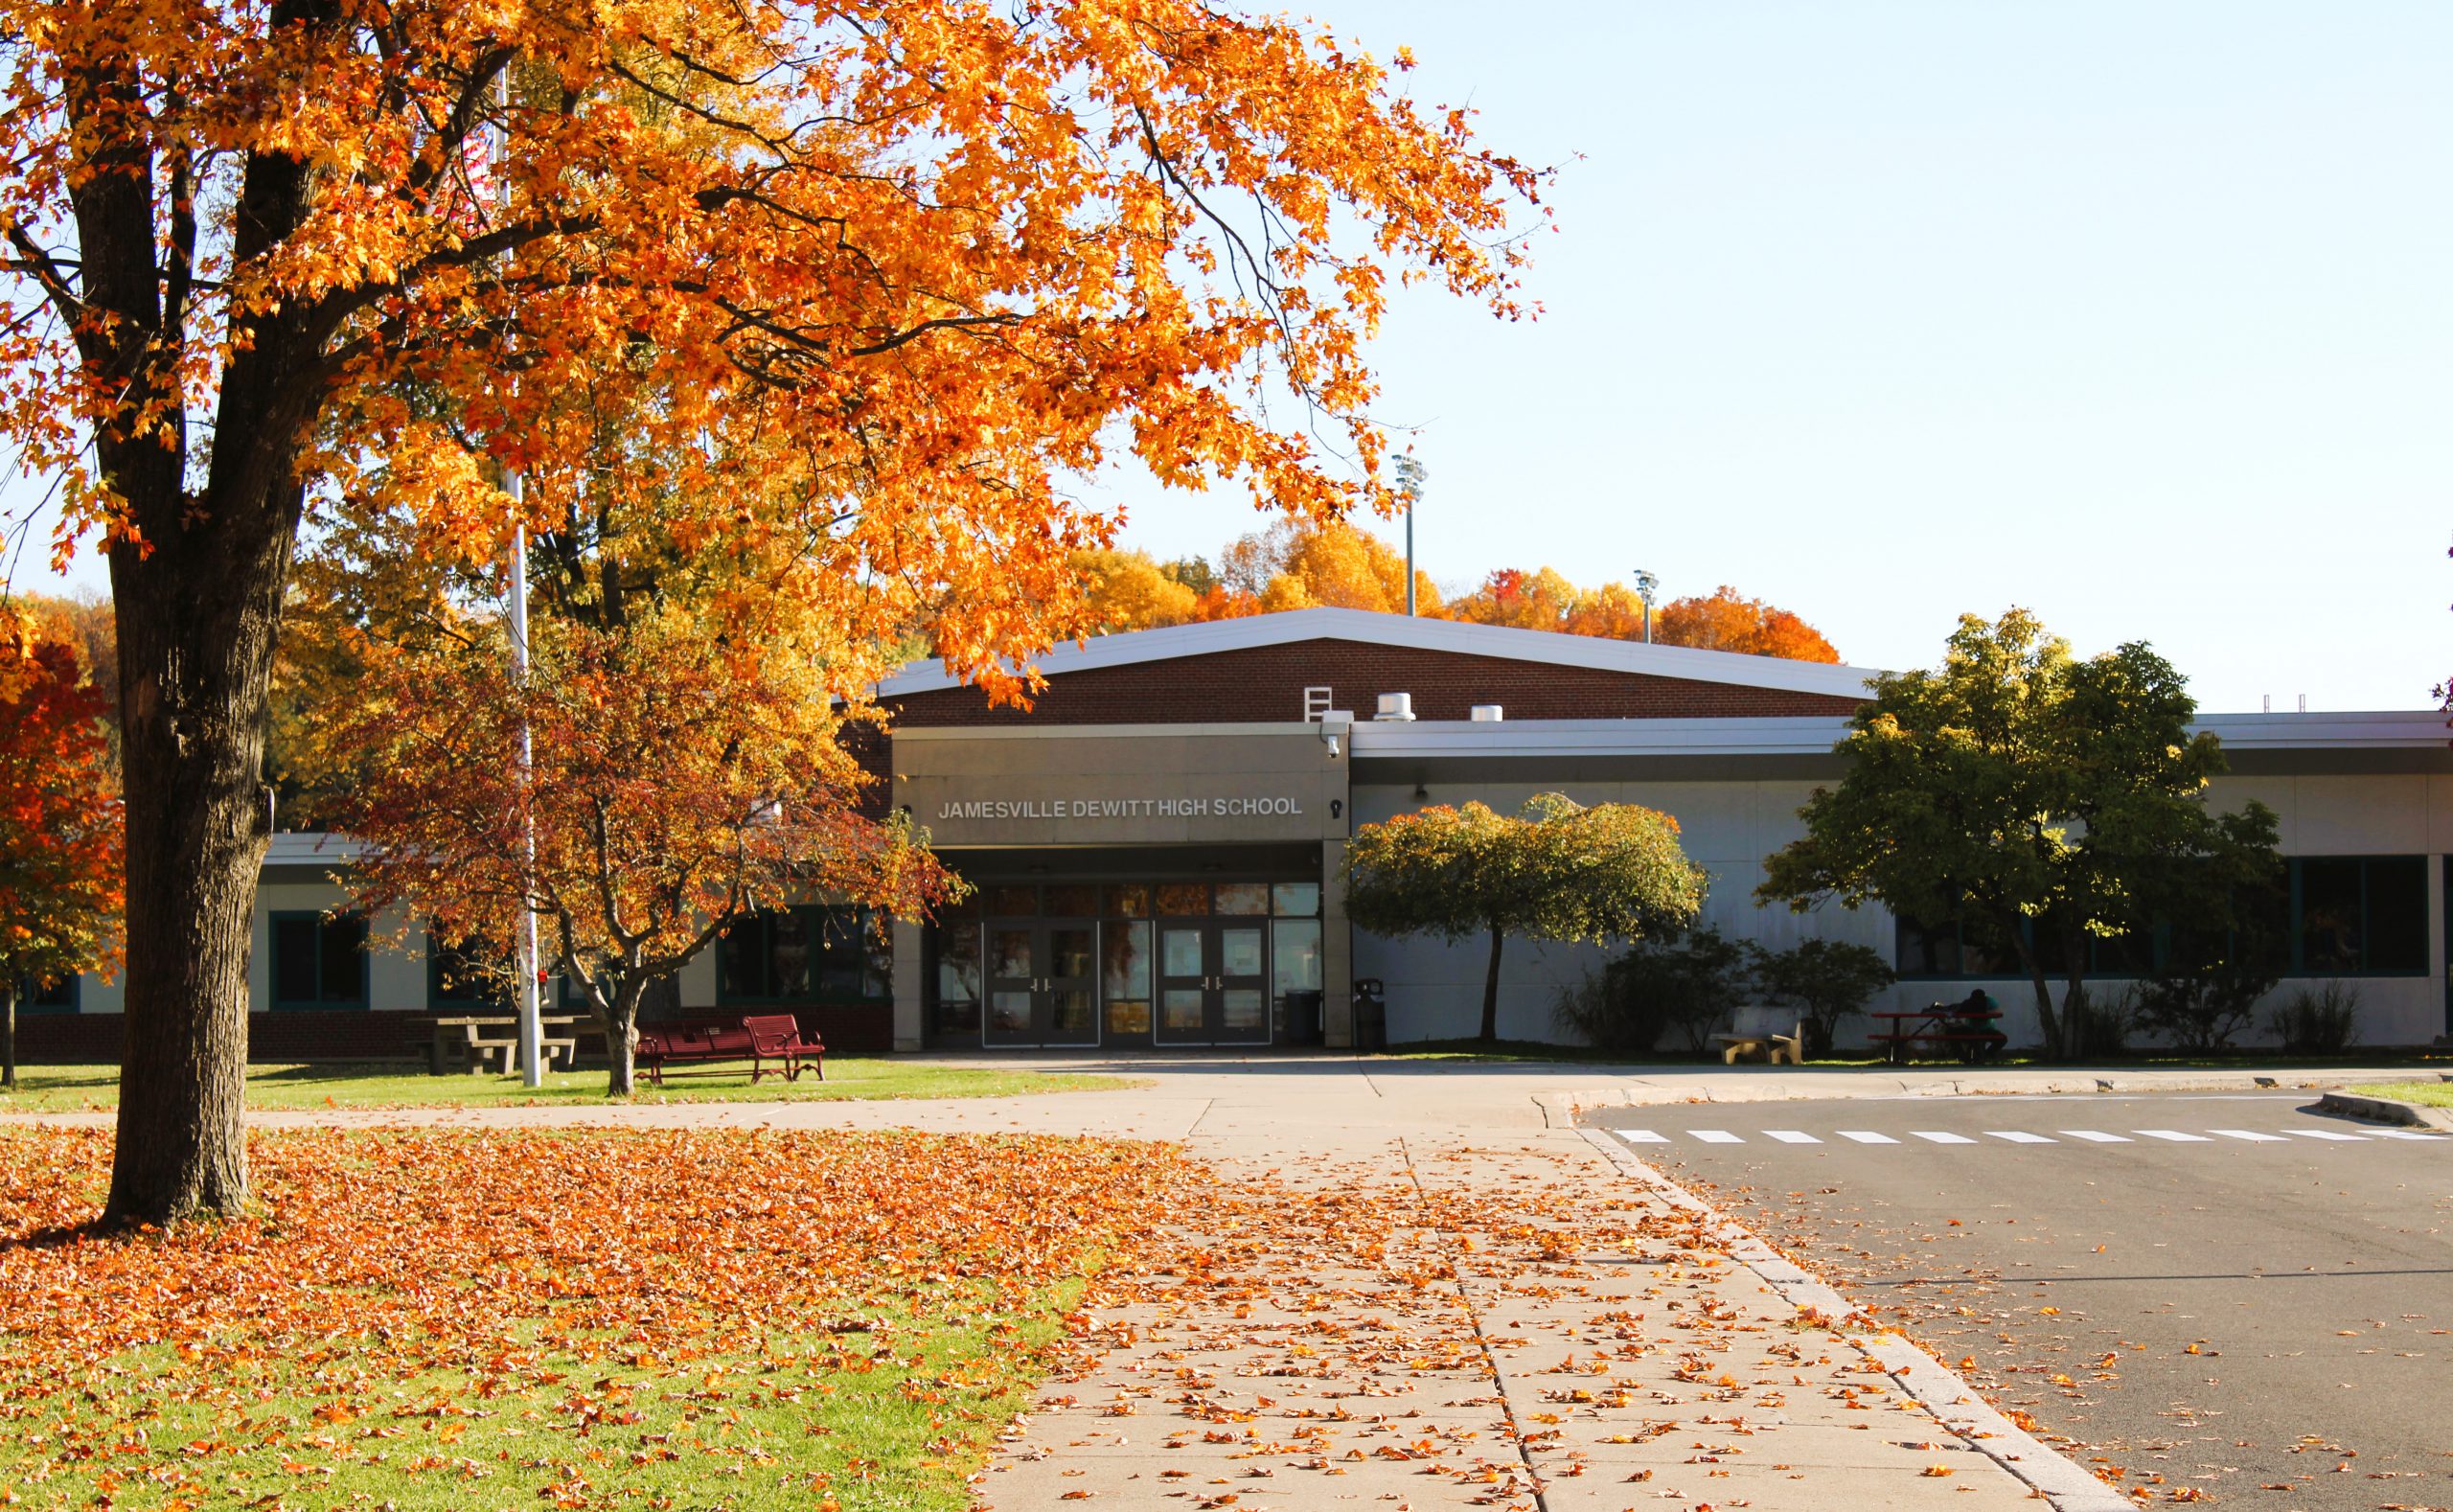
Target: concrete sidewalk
(1421, 1289)
(1426, 1318)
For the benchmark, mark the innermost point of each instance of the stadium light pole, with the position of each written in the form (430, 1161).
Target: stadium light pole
(1647, 585)
(1410, 480)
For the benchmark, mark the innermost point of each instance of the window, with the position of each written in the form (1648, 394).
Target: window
(465, 975)
(49, 994)
(1949, 950)
(2359, 914)
(957, 1011)
(2331, 916)
(318, 960)
(807, 954)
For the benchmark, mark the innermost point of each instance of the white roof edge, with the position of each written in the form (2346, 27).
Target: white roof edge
(1817, 734)
(1459, 637)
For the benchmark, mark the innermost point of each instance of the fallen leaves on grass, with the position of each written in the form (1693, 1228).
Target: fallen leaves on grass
(400, 1285)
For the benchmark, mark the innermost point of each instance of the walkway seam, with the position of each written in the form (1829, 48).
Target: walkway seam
(1933, 1385)
(1482, 1339)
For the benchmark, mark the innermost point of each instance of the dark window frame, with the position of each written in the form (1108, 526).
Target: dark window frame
(68, 998)
(818, 919)
(437, 1002)
(2295, 963)
(323, 920)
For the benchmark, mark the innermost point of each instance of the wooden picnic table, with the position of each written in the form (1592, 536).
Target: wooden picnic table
(1951, 1025)
(484, 1036)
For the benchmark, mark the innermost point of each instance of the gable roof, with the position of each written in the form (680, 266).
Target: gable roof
(1456, 637)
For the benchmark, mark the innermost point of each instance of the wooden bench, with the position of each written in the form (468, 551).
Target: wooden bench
(1775, 1034)
(1947, 1026)
(771, 1042)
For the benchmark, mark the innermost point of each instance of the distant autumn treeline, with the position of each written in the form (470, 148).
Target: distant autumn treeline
(1338, 565)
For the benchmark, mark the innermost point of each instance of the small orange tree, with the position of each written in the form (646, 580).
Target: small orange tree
(60, 821)
(680, 779)
(952, 251)
(1557, 871)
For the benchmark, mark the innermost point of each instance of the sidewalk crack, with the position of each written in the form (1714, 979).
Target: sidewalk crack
(1482, 1339)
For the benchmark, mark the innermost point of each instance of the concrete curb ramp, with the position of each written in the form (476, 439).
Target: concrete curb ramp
(2061, 1480)
(2386, 1111)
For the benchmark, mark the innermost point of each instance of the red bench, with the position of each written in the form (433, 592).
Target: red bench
(767, 1042)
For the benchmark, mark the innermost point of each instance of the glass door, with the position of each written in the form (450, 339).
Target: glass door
(1242, 1013)
(1069, 1013)
(1013, 971)
(1213, 983)
(1183, 983)
(1043, 984)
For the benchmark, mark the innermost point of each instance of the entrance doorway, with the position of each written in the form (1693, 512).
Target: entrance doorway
(1043, 988)
(1213, 983)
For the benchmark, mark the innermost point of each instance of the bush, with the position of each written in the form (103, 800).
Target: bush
(2200, 1011)
(1686, 984)
(2100, 1022)
(2317, 1020)
(1827, 979)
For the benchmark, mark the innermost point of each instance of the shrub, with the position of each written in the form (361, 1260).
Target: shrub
(2101, 1022)
(1602, 1011)
(1686, 984)
(2317, 1020)
(1828, 978)
(2200, 1011)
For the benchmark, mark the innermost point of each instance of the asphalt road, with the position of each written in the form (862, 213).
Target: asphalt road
(2200, 1289)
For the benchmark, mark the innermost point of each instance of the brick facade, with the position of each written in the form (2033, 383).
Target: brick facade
(1266, 683)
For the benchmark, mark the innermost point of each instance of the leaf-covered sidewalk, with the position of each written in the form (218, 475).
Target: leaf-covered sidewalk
(1420, 1321)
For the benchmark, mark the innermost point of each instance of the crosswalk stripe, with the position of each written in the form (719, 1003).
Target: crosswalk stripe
(2405, 1134)
(1716, 1137)
(2096, 1136)
(2174, 1135)
(2323, 1133)
(2019, 1137)
(1867, 1136)
(1938, 1137)
(2251, 1135)
(1642, 1137)
(1791, 1136)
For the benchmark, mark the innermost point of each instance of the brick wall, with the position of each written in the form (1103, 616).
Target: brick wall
(274, 1038)
(1266, 683)
(357, 1035)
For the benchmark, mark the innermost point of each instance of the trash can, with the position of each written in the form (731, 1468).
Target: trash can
(1303, 1017)
(1370, 1015)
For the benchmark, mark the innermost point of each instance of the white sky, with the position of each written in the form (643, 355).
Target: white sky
(2139, 315)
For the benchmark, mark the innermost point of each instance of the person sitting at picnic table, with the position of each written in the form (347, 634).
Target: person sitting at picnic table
(1976, 1014)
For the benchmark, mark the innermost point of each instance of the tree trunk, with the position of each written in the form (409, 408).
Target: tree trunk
(8, 1033)
(2074, 999)
(197, 623)
(1490, 989)
(2029, 963)
(619, 1017)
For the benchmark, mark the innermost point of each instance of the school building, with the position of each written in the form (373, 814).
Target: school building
(1154, 846)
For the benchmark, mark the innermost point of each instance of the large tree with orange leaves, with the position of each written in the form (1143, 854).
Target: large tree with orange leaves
(949, 250)
(59, 820)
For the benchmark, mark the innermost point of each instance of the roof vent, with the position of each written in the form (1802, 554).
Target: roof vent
(1488, 712)
(1396, 706)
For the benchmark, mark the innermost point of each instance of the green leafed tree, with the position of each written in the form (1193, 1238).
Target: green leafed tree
(2026, 796)
(1555, 871)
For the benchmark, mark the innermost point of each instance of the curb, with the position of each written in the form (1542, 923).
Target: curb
(2056, 1477)
(2386, 1111)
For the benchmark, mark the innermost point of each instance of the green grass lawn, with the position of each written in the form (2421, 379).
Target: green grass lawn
(2427, 1094)
(70, 1089)
(489, 1320)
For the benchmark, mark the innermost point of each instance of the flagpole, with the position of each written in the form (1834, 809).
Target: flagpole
(532, 1027)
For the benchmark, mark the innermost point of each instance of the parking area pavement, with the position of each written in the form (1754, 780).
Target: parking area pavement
(2229, 1293)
